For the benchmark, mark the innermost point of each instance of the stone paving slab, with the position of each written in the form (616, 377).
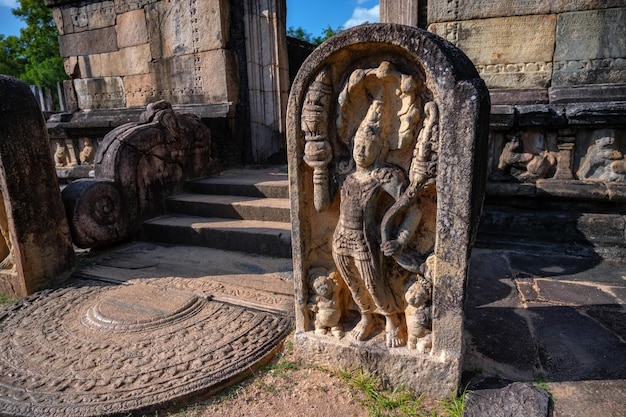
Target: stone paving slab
(558, 320)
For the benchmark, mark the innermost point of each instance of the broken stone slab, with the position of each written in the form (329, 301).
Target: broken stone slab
(376, 114)
(35, 246)
(516, 399)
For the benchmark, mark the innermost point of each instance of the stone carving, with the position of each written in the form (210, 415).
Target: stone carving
(528, 159)
(418, 313)
(35, 250)
(325, 303)
(363, 180)
(134, 346)
(386, 146)
(137, 166)
(604, 160)
(64, 154)
(87, 153)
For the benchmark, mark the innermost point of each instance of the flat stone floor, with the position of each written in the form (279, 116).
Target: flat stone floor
(558, 321)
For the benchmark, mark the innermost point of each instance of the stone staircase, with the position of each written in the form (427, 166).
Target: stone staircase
(244, 210)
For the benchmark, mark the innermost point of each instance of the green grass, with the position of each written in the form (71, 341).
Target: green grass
(4, 300)
(455, 406)
(368, 390)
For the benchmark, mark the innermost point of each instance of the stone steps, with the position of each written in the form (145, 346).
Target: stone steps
(244, 210)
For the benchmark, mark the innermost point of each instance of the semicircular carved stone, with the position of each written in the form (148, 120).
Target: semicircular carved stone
(133, 346)
(35, 247)
(387, 147)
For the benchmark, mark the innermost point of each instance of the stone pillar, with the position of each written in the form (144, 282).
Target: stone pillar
(268, 77)
(377, 114)
(404, 12)
(35, 245)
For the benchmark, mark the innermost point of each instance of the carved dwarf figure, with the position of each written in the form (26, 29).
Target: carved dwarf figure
(528, 161)
(418, 314)
(88, 152)
(60, 156)
(324, 302)
(604, 160)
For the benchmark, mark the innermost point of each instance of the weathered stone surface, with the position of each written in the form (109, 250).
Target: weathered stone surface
(133, 60)
(430, 127)
(506, 53)
(402, 12)
(443, 11)
(516, 399)
(137, 166)
(187, 27)
(590, 47)
(36, 250)
(99, 93)
(97, 349)
(588, 93)
(131, 29)
(89, 42)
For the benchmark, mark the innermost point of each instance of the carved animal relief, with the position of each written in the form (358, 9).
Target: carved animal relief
(372, 146)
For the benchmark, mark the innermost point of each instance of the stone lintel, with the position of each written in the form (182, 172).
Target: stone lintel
(445, 11)
(587, 93)
(560, 189)
(518, 96)
(89, 42)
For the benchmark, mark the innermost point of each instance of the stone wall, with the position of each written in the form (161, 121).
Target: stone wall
(127, 53)
(556, 72)
(222, 60)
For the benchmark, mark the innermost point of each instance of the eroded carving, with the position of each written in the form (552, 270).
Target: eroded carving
(526, 159)
(167, 343)
(418, 313)
(367, 181)
(324, 302)
(87, 153)
(64, 154)
(604, 160)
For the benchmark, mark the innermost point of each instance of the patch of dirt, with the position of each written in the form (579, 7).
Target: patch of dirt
(288, 389)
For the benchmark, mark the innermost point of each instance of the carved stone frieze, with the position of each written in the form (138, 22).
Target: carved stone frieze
(526, 157)
(374, 145)
(604, 160)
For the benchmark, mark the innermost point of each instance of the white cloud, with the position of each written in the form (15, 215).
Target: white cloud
(9, 3)
(361, 15)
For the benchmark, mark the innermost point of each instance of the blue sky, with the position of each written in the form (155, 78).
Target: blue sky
(313, 16)
(9, 24)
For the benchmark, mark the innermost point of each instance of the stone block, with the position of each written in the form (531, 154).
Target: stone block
(124, 6)
(57, 15)
(71, 66)
(90, 66)
(204, 77)
(126, 61)
(36, 249)
(387, 147)
(131, 29)
(185, 27)
(90, 42)
(68, 25)
(446, 11)
(505, 52)
(99, 93)
(590, 48)
(139, 90)
(100, 14)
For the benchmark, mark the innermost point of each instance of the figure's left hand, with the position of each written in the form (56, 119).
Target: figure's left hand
(391, 247)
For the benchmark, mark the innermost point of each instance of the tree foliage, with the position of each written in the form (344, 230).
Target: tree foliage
(303, 35)
(34, 56)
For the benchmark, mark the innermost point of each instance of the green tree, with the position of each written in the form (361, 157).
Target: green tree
(34, 56)
(303, 35)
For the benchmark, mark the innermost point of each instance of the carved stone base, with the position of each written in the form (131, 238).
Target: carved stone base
(424, 374)
(98, 350)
